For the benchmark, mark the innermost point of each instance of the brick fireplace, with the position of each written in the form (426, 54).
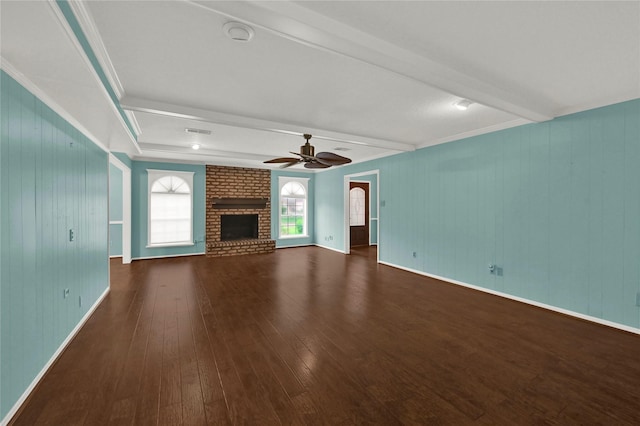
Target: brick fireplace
(238, 191)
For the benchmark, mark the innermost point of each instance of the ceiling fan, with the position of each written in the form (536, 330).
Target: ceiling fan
(322, 160)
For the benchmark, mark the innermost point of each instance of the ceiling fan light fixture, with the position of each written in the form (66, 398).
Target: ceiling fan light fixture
(237, 31)
(463, 104)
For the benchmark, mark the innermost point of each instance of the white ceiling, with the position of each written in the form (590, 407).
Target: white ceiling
(375, 77)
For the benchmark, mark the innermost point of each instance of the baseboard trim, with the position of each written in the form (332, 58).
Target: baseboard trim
(294, 246)
(168, 255)
(521, 299)
(330, 248)
(115, 256)
(25, 395)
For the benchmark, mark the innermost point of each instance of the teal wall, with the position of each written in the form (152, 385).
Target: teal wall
(115, 193)
(139, 210)
(555, 204)
(124, 158)
(115, 239)
(52, 179)
(115, 211)
(275, 196)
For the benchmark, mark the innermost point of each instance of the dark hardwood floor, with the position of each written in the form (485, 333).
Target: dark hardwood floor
(310, 336)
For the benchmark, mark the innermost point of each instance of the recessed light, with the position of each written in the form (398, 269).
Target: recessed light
(463, 105)
(195, 146)
(237, 31)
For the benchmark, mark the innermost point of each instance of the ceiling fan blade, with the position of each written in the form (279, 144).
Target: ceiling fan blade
(331, 159)
(315, 165)
(293, 163)
(282, 160)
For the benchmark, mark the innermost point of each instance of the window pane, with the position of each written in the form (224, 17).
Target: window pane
(356, 207)
(293, 206)
(293, 189)
(170, 211)
(170, 184)
(292, 218)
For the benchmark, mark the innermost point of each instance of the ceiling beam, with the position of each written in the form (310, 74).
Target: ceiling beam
(147, 147)
(179, 111)
(310, 28)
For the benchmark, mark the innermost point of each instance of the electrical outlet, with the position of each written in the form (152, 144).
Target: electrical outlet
(415, 254)
(65, 293)
(492, 268)
(72, 236)
(498, 271)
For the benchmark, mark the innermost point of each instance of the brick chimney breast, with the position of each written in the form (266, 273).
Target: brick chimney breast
(238, 182)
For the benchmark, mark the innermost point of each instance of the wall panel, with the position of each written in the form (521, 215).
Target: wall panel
(53, 179)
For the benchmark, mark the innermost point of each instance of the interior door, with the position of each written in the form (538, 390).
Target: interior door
(359, 213)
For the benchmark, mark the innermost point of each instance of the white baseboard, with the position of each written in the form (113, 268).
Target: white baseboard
(12, 412)
(115, 256)
(297, 245)
(169, 255)
(330, 248)
(521, 299)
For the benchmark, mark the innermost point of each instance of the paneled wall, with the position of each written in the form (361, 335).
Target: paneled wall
(53, 181)
(554, 205)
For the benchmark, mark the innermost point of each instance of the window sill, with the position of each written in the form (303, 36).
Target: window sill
(170, 245)
(292, 237)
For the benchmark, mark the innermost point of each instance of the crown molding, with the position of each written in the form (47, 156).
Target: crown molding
(476, 132)
(612, 100)
(90, 30)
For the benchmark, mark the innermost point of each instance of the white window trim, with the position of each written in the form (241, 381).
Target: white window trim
(282, 181)
(152, 176)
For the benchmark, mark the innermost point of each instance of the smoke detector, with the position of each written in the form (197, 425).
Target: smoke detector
(237, 31)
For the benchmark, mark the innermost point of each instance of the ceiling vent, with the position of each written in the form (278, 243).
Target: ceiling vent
(198, 131)
(237, 31)
(341, 148)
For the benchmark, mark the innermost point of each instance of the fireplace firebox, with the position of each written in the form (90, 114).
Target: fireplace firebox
(238, 227)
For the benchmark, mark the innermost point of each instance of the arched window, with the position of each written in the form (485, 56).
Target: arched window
(170, 208)
(293, 207)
